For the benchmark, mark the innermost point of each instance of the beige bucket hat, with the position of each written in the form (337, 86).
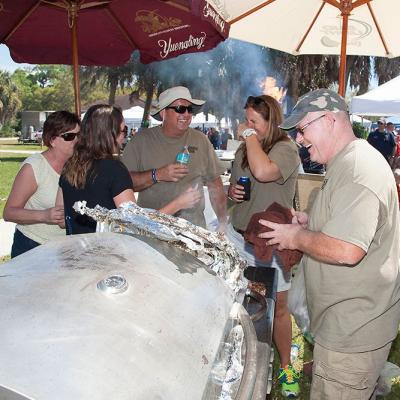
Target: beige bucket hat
(170, 95)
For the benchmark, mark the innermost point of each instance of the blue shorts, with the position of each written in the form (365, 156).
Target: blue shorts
(21, 244)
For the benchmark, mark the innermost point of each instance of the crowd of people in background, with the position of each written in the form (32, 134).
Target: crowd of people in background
(349, 243)
(383, 139)
(218, 138)
(386, 140)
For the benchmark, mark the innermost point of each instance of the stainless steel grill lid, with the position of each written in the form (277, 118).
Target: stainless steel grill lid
(109, 316)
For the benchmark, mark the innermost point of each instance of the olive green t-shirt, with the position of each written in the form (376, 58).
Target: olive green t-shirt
(356, 309)
(262, 194)
(152, 149)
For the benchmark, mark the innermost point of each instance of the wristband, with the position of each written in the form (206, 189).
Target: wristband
(154, 175)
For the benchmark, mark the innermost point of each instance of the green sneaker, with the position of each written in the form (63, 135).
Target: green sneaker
(289, 379)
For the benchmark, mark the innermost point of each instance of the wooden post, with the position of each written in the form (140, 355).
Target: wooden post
(75, 61)
(343, 50)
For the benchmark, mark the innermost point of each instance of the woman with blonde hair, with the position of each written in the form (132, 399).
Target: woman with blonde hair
(270, 160)
(96, 175)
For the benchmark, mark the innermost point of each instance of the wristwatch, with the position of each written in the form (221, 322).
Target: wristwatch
(248, 132)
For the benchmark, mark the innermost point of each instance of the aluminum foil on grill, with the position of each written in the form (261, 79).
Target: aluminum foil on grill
(211, 248)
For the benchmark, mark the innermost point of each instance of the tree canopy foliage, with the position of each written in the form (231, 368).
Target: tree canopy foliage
(9, 99)
(224, 76)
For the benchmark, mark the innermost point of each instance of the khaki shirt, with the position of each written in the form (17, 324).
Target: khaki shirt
(152, 149)
(356, 309)
(262, 194)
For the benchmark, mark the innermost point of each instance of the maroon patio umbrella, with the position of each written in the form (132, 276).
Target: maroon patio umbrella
(105, 32)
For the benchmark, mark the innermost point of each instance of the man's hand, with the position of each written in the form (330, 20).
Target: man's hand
(222, 226)
(284, 235)
(189, 198)
(172, 172)
(300, 218)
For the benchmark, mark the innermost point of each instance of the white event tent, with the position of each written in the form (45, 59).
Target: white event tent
(133, 117)
(366, 123)
(204, 120)
(381, 101)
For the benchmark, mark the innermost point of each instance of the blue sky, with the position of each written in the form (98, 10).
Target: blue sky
(6, 62)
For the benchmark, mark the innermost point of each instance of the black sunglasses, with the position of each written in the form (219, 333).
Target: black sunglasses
(181, 109)
(69, 136)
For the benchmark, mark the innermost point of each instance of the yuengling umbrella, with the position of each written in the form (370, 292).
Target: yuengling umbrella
(105, 32)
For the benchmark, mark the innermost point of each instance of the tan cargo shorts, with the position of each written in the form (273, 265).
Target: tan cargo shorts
(346, 376)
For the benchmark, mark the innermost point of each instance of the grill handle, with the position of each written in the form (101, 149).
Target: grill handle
(259, 298)
(247, 384)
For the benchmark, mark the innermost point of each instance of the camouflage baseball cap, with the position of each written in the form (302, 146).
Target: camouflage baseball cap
(316, 100)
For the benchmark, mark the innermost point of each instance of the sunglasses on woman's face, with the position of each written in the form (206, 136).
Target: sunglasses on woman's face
(181, 109)
(69, 136)
(254, 100)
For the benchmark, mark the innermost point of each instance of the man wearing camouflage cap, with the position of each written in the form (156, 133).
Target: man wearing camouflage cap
(350, 243)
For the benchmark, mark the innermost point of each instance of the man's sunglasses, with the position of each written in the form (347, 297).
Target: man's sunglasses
(181, 109)
(69, 136)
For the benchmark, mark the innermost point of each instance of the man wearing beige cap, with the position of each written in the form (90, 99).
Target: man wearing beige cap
(151, 159)
(350, 243)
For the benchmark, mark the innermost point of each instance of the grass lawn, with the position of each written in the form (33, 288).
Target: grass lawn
(12, 144)
(4, 259)
(9, 166)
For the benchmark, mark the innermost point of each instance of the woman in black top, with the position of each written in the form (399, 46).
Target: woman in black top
(95, 174)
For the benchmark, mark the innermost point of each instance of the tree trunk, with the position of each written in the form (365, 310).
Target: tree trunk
(147, 104)
(113, 91)
(292, 94)
(350, 61)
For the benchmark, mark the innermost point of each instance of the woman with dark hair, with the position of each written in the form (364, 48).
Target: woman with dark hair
(270, 160)
(31, 203)
(95, 174)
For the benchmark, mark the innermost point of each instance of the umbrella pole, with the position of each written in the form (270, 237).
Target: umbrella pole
(75, 65)
(343, 49)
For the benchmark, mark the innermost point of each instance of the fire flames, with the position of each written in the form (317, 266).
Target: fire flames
(268, 86)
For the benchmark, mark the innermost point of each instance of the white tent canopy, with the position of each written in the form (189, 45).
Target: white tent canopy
(133, 117)
(366, 123)
(383, 100)
(208, 121)
(202, 118)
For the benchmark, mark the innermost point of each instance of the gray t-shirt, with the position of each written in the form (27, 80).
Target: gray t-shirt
(284, 154)
(152, 149)
(356, 309)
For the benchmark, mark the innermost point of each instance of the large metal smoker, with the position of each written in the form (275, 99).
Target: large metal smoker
(120, 316)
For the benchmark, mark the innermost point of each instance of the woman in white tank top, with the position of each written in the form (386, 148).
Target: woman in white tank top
(31, 203)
